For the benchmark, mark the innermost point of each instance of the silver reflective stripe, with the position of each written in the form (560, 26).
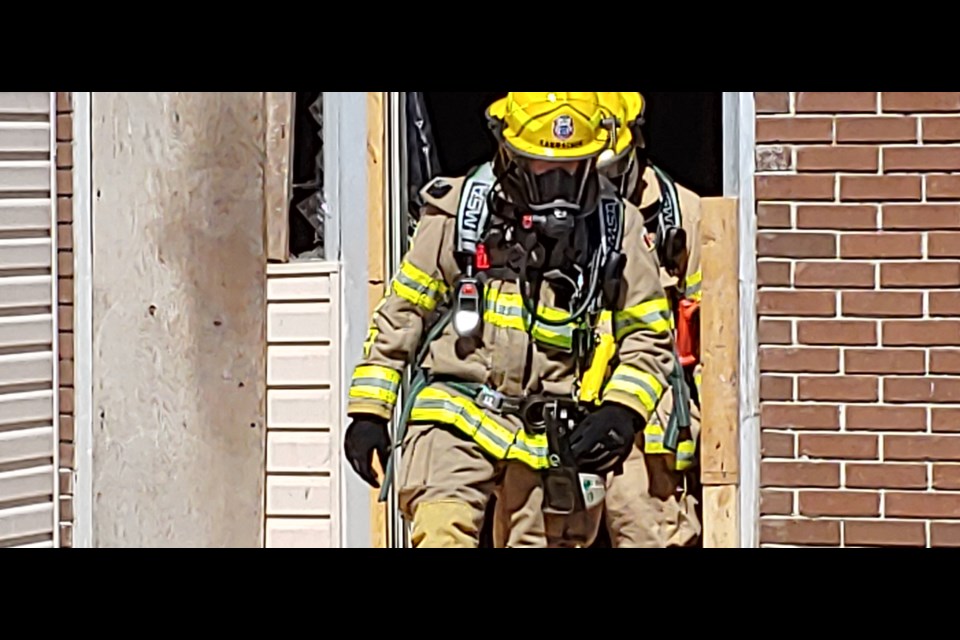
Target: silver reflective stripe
(375, 382)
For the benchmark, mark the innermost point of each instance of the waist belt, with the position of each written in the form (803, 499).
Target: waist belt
(529, 409)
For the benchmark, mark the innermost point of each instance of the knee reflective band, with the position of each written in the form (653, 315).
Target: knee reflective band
(444, 524)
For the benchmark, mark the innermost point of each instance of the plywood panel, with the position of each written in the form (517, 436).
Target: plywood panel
(298, 533)
(301, 409)
(300, 322)
(300, 365)
(279, 154)
(298, 452)
(179, 319)
(720, 517)
(298, 496)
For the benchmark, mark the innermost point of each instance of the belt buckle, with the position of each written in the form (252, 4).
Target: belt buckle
(490, 399)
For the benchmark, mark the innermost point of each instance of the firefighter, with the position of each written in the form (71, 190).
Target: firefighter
(653, 503)
(493, 408)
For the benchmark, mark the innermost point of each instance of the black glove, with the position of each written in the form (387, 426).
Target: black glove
(603, 440)
(364, 435)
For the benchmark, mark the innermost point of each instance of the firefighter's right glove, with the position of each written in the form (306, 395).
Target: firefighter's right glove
(604, 439)
(365, 435)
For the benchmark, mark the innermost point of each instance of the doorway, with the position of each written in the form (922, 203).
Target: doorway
(684, 134)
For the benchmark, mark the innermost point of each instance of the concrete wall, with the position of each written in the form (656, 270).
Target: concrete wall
(178, 319)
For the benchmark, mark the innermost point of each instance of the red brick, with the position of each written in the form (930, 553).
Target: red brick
(64, 101)
(64, 182)
(773, 274)
(67, 455)
(946, 476)
(884, 534)
(65, 290)
(800, 416)
(65, 263)
(64, 127)
(66, 482)
(776, 388)
(797, 303)
(921, 217)
(772, 101)
(943, 129)
(796, 245)
(945, 534)
(922, 448)
(884, 188)
(920, 275)
(775, 331)
(794, 130)
(886, 418)
(945, 420)
(840, 217)
(837, 332)
(64, 209)
(839, 503)
(64, 155)
(924, 333)
(918, 390)
(899, 129)
(886, 476)
(776, 187)
(881, 245)
(884, 361)
(799, 474)
(776, 503)
(885, 304)
(794, 360)
(836, 102)
(66, 536)
(848, 447)
(921, 159)
(66, 433)
(800, 532)
(65, 317)
(64, 236)
(66, 508)
(849, 158)
(776, 445)
(943, 187)
(66, 373)
(852, 275)
(773, 216)
(945, 361)
(943, 245)
(66, 400)
(838, 388)
(944, 303)
(922, 505)
(773, 158)
(919, 101)
(65, 343)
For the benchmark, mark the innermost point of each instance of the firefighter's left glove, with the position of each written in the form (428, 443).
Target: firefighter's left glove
(365, 435)
(604, 439)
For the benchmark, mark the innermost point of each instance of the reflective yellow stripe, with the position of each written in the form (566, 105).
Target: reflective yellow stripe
(643, 386)
(653, 314)
(373, 382)
(413, 285)
(506, 310)
(685, 454)
(693, 286)
(653, 439)
(435, 405)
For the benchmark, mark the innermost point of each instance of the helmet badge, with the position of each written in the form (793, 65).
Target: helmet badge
(563, 127)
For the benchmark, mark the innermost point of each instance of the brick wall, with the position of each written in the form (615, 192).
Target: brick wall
(65, 311)
(859, 231)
